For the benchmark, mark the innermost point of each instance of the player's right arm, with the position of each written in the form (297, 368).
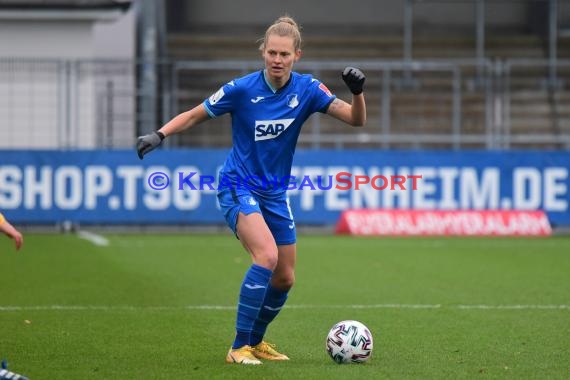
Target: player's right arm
(217, 104)
(179, 123)
(185, 120)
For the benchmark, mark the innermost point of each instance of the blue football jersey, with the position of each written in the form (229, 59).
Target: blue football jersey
(266, 124)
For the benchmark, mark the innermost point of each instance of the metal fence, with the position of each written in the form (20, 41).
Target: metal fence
(451, 104)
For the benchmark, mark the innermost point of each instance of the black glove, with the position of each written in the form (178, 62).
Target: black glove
(148, 142)
(354, 79)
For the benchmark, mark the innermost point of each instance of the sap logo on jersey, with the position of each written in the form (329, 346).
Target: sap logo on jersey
(270, 129)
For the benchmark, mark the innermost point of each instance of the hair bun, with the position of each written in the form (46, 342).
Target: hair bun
(284, 26)
(287, 20)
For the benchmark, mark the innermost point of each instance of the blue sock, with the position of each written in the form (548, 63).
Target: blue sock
(272, 304)
(251, 297)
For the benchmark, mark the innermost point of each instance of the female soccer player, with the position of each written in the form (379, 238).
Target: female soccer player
(10, 231)
(268, 109)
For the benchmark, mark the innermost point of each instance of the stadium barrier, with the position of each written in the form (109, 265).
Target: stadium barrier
(418, 104)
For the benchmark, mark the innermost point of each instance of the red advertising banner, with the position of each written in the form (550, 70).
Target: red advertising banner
(369, 222)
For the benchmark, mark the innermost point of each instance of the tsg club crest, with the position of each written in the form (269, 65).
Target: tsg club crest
(292, 100)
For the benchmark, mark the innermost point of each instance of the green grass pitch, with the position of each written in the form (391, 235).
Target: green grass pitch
(161, 306)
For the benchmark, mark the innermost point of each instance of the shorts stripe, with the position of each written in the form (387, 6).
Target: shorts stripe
(234, 196)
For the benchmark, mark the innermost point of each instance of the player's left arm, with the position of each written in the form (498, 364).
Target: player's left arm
(11, 232)
(354, 113)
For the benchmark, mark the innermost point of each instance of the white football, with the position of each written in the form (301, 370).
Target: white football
(349, 342)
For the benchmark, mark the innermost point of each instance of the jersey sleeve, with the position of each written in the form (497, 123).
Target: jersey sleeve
(322, 97)
(222, 101)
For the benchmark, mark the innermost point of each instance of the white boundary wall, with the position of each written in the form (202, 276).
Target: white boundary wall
(44, 102)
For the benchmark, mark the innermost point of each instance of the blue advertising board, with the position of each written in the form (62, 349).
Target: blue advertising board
(179, 186)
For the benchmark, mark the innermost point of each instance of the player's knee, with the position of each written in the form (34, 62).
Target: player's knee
(288, 283)
(284, 282)
(267, 260)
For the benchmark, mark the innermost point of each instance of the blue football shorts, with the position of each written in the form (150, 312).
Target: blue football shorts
(275, 210)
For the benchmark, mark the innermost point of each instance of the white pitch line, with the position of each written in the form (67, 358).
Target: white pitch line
(96, 239)
(372, 306)
(513, 307)
(225, 307)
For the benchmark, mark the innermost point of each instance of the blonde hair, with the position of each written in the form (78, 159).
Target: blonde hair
(284, 26)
